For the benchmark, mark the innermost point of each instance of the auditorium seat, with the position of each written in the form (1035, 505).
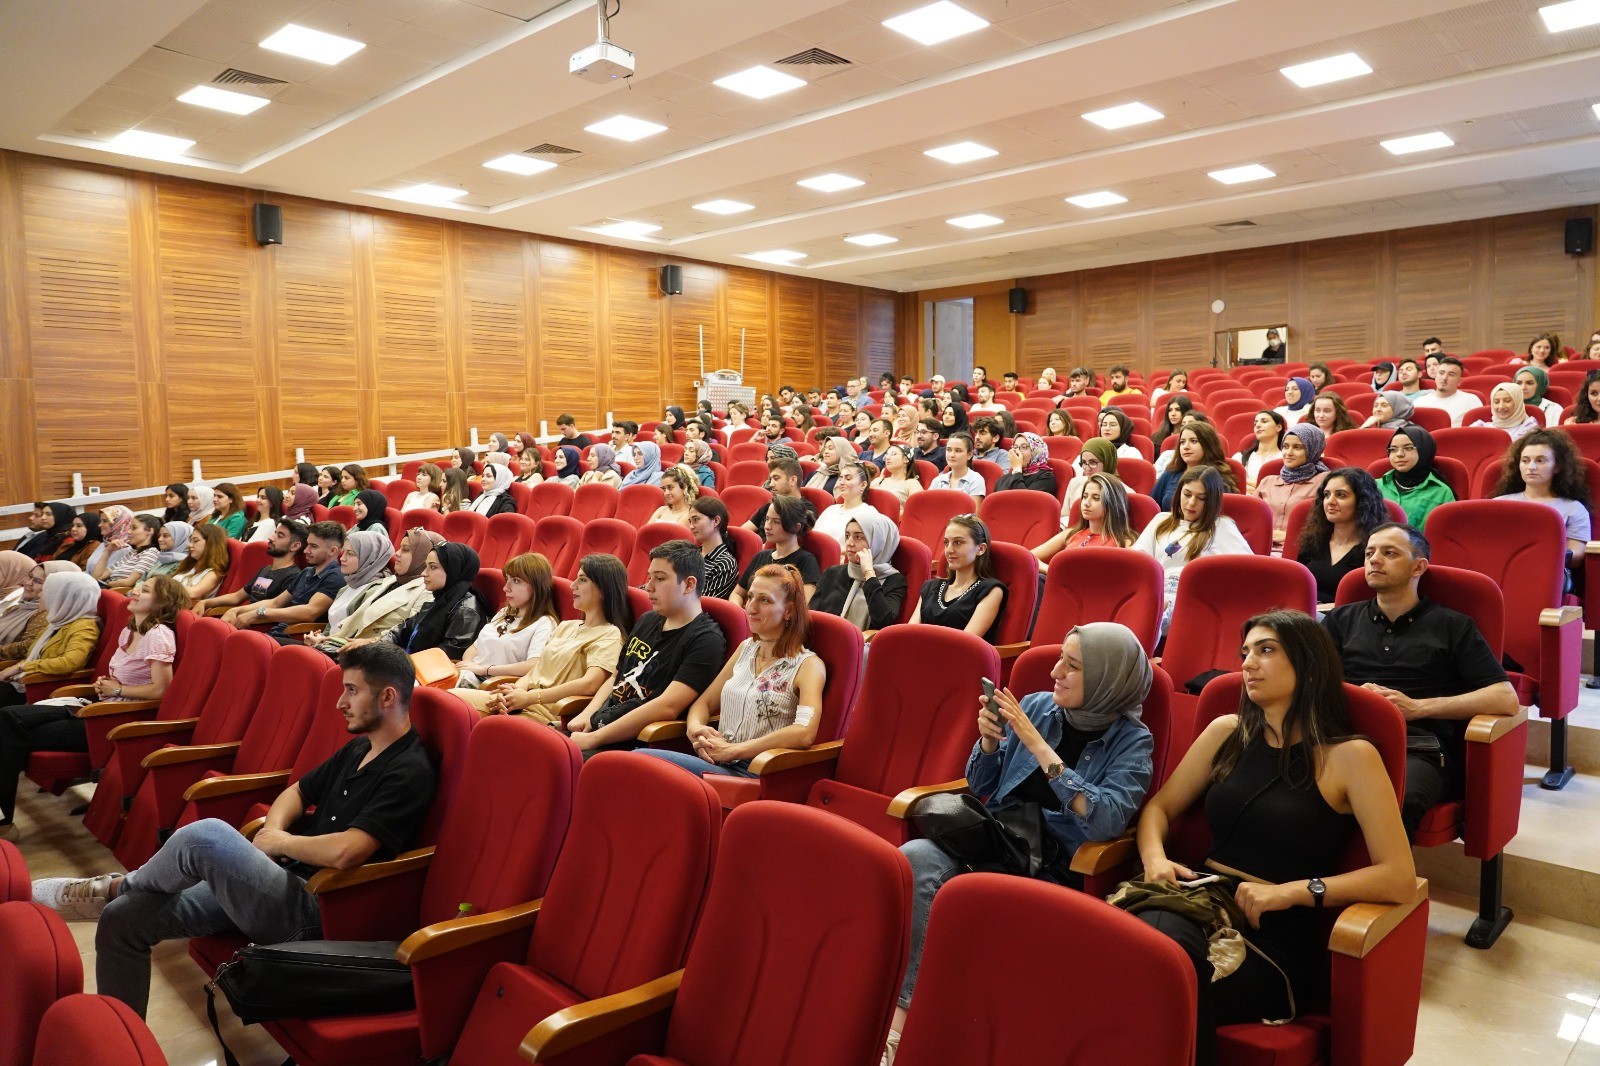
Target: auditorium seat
(1018, 571)
(1067, 448)
(744, 544)
(818, 498)
(747, 451)
(397, 490)
(85, 1028)
(491, 585)
(607, 536)
(1362, 447)
(743, 501)
(547, 498)
(650, 536)
(1216, 595)
(465, 527)
(1101, 585)
(1473, 446)
(747, 472)
(594, 501)
(41, 966)
(557, 538)
(820, 990)
(506, 536)
(887, 503)
(244, 562)
(15, 881)
(1253, 516)
(636, 503)
(619, 910)
(826, 550)
(1064, 472)
(424, 518)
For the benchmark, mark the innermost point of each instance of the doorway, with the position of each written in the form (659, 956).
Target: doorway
(947, 338)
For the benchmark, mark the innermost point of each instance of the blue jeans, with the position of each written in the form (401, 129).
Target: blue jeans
(696, 765)
(206, 879)
(930, 869)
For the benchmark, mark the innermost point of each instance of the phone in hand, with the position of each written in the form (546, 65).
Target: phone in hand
(990, 703)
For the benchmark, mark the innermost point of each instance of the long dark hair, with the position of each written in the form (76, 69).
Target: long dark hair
(1202, 531)
(1250, 449)
(1569, 482)
(1317, 710)
(1583, 412)
(1211, 454)
(611, 578)
(1371, 511)
(1164, 427)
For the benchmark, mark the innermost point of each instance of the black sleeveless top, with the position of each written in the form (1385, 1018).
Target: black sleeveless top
(1263, 827)
(959, 611)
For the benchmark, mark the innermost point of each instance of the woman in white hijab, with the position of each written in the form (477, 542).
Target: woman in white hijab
(70, 634)
(495, 498)
(173, 542)
(864, 588)
(202, 503)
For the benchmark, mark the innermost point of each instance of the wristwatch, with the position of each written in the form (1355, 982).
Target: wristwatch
(1054, 770)
(261, 612)
(1317, 890)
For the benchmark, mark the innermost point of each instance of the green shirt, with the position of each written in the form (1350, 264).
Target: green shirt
(234, 524)
(1417, 502)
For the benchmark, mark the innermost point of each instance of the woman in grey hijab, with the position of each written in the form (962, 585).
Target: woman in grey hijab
(864, 588)
(1397, 404)
(365, 559)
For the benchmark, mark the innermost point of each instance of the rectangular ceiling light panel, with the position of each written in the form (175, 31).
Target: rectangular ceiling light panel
(936, 23)
(1323, 71)
(1115, 118)
(224, 100)
(319, 47)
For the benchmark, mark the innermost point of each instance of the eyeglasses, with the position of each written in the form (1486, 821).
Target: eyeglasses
(1403, 449)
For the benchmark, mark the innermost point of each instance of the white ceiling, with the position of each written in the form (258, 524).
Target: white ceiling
(444, 85)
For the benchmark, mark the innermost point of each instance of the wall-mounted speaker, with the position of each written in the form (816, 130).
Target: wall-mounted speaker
(1019, 300)
(268, 223)
(672, 280)
(1580, 236)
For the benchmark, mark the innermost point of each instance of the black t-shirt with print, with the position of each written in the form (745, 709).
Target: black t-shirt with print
(653, 657)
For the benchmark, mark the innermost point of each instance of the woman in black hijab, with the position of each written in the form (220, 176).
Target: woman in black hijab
(456, 614)
(44, 544)
(676, 418)
(376, 505)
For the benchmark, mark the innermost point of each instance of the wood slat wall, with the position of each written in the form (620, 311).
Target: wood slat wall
(143, 328)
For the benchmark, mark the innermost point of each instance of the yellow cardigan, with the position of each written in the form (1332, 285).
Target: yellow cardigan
(67, 651)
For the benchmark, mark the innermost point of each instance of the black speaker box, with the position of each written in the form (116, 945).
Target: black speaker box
(1019, 300)
(1580, 236)
(268, 221)
(672, 280)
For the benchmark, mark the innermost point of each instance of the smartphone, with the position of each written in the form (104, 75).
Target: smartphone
(990, 702)
(1204, 879)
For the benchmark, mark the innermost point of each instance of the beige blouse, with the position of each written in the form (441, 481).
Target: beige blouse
(572, 651)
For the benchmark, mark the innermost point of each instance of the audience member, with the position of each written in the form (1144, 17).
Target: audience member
(864, 588)
(785, 520)
(959, 475)
(1103, 520)
(971, 597)
(708, 526)
(83, 540)
(1059, 423)
(1390, 410)
(50, 524)
(496, 496)
(328, 485)
(1119, 387)
(1383, 376)
(1543, 351)
(1587, 410)
(429, 482)
(1333, 541)
(116, 524)
(569, 465)
(1299, 480)
(307, 595)
(1447, 394)
(834, 451)
(697, 458)
(227, 506)
(1409, 376)
(303, 474)
(1266, 443)
(451, 620)
(603, 469)
(1329, 414)
(1411, 481)
(172, 547)
(371, 508)
(1116, 427)
(175, 500)
(352, 483)
(679, 489)
(1030, 466)
(301, 504)
(929, 434)
(1099, 456)
(1171, 420)
(1508, 412)
(22, 617)
(132, 558)
(1177, 383)
(783, 481)
(1198, 445)
(1297, 396)
(986, 439)
(849, 490)
(1194, 526)
(1533, 383)
(899, 474)
(204, 564)
(288, 539)
(567, 428)
(269, 508)
(67, 640)
(381, 590)
(1545, 466)
(622, 435)
(511, 643)
(1320, 375)
(646, 464)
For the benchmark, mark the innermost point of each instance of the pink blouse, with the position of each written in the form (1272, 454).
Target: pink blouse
(159, 644)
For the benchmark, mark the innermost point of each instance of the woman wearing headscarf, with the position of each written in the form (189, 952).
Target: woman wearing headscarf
(21, 618)
(953, 419)
(646, 464)
(677, 418)
(82, 541)
(1534, 383)
(1030, 466)
(834, 451)
(457, 611)
(496, 496)
(499, 442)
(1411, 482)
(1099, 456)
(1297, 396)
(697, 456)
(1077, 759)
(202, 504)
(1300, 479)
(68, 638)
(116, 523)
(1390, 410)
(864, 588)
(603, 469)
(371, 508)
(384, 598)
(1382, 375)
(172, 547)
(14, 570)
(1508, 412)
(364, 560)
(569, 465)
(298, 504)
(43, 544)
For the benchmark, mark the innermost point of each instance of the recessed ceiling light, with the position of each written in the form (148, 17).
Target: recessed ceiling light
(427, 193)
(830, 182)
(1248, 172)
(781, 257)
(1104, 198)
(936, 23)
(314, 45)
(723, 207)
(975, 221)
(224, 100)
(1422, 142)
(961, 152)
(872, 240)
(149, 145)
(625, 128)
(760, 82)
(1571, 15)
(517, 163)
(628, 230)
(1114, 118)
(1322, 71)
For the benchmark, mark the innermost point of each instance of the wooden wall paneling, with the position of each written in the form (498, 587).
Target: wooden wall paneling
(1538, 288)
(158, 459)
(631, 329)
(1255, 287)
(409, 308)
(699, 304)
(493, 325)
(18, 455)
(1052, 328)
(841, 355)
(569, 354)
(993, 331)
(1179, 319)
(878, 334)
(1341, 298)
(1435, 287)
(1112, 308)
(322, 334)
(798, 331)
(748, 307)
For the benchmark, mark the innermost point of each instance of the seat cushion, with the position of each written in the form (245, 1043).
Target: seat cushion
(15, 883)
(360, 1040)
(1441, 825)
(1303, 1042)
(53, 771)
(513, 999)
(210, 952)
(733, 791)
(655, 1060)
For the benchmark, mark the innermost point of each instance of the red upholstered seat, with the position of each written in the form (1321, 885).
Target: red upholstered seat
(914, 559)
(15, 882)
(1216, 594)
(549, 498)
(926, 513)
(636, 503)
(743, 501)
(507, 536)
(41, 965)
(607, 536)
(465, 527)
(745, 544)
(427, 518)
(651, 536)
(491, 585)
(251, 558)
(397, 490)
(84, 1028)
(594, 501)
(1253, 516)
(1362, 447)
(1018, 516)
(1101, 585)
(747, 472)
(557, 537)
(887, 503)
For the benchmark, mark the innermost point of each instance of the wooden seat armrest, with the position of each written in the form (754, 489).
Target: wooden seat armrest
(249, 829)
(1557, 617)
(299, 628)
(1101, 856)
(576, 1026)
(572, 706)
(330, 880)
(1011, 651)
(775, 760)
(1488, 728)
(905, 802)
(656, 732)
(59, 680)
(160, 727)
(490, 684)
(78, 691)
(443, 937)
(112, 707)
(868, 634)
(217, 612)
(232, 784)
(1361, 927)
(188, 753)
(1592, 547)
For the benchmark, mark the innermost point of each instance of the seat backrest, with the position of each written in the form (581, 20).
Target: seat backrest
(491, 585)
(914, 559)
(326, 732)
(42, 964)
(1101, 585)
(197, 670)
(926, 513)
(826, 955)
(344, 514)
(88, 1028)
(887, 503)
(506, 537)
(1475, 447)
(1018, 516)
(442, 723)
(841, 648)
(903, 732)
(1138, 474)
(1253, 516)
(243, 671)
(747, 472)
(592, 501)
(397, 490)
(465, 527)
(745, 544)
(279, 722)
(424, 517)
(607, 536)
(636, 503)
(505, 826)
(1018, 570)
(548, 498)
(243, 564)
(1216, 594)
(733, 622)
(556, 537)
(1361, 447)
(743, 501)
(823, 547)
(1063, 471)
(1142, 1010)
(651, 536)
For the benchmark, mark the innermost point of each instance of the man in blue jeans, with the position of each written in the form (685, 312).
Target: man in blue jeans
(207, 878)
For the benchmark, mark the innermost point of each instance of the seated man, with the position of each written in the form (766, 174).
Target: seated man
(986, 437)
(1119, 386)
(784, 474)
(672, 654)
(928, 447)
(1429, 661)
(288, 540)
(567, 426)
(985, 404)
(772, 428)
(370, 799)
(622, 434)
(308, 595)
(48, 526)
(1078, 382)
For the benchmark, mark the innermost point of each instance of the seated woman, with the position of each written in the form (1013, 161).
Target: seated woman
(1172, 421)
(269, 508)
(958, 474)
(21, 617)
(708, 528)
(116, 524)
(1587, 410)
(371, 509)
(971, 597)
(905, 426)
(1283, 785)
(603, 469)
(1194, 526)
(510, 643)
(1329, 414)
(1508, 412)
(1545, 467)
(457, 494)
(499, 442)
(850, 490)
(1102, 521)
(663, 435)
(176, 503)
(1390, 410)
(463, 459)
(202, 505)
(130, 559)
(1059, 423)
(1117, 427)
(455, 614)
(495, 497)
(1198, 445)
(1267, 433)
(580, 655)
(1383, 375)
(1099, 456)
(835, 451)
(1297, 396)
(899, 475)
(1411, 481)
(526, 454)
(679, 489)
(787, 518)
(229, 510)
(697, 458)
(1076, 758)
(299, 505)
(1300, 478)
(1030, 466)
(429, 482)
(864, 588)
(172, 543)
(374, 601)
(328, 485)
(67, 640)
(83, 539)
(140, 669)
(769, 690)
(204, 564)
(1321, 376)
(646, 464)
(1534, 383)
(1177, 382)
(303, 474)
(352, 483)
(1333, 541)
(569, 465)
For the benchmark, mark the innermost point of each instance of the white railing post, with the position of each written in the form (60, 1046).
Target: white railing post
(392, 453)
(299, 453)
(194, 466)
(544, 423)
(474, 438)
(77, 483)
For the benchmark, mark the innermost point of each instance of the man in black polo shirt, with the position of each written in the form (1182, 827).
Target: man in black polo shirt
(370, 798)
(567, 426)
(1429, 661)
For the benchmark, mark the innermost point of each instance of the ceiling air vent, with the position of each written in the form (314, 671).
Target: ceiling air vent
(1243, 223)
(814, 57)
(259, 82)
(549, 149)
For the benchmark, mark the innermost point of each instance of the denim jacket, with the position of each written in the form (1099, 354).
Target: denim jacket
(1113, 774)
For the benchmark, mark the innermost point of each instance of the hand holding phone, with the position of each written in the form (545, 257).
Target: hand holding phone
(991, 725)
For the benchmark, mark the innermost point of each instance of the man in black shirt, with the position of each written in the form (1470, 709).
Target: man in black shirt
(1429, 661)
(370, 798)
(567, 426)
(673, 653)
(287, 540)
(928, 446)
(784, 473)
(308, 595)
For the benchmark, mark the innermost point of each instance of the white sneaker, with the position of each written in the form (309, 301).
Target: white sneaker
(77, 899)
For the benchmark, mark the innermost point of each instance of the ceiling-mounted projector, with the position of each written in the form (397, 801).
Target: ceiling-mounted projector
(601, 62)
